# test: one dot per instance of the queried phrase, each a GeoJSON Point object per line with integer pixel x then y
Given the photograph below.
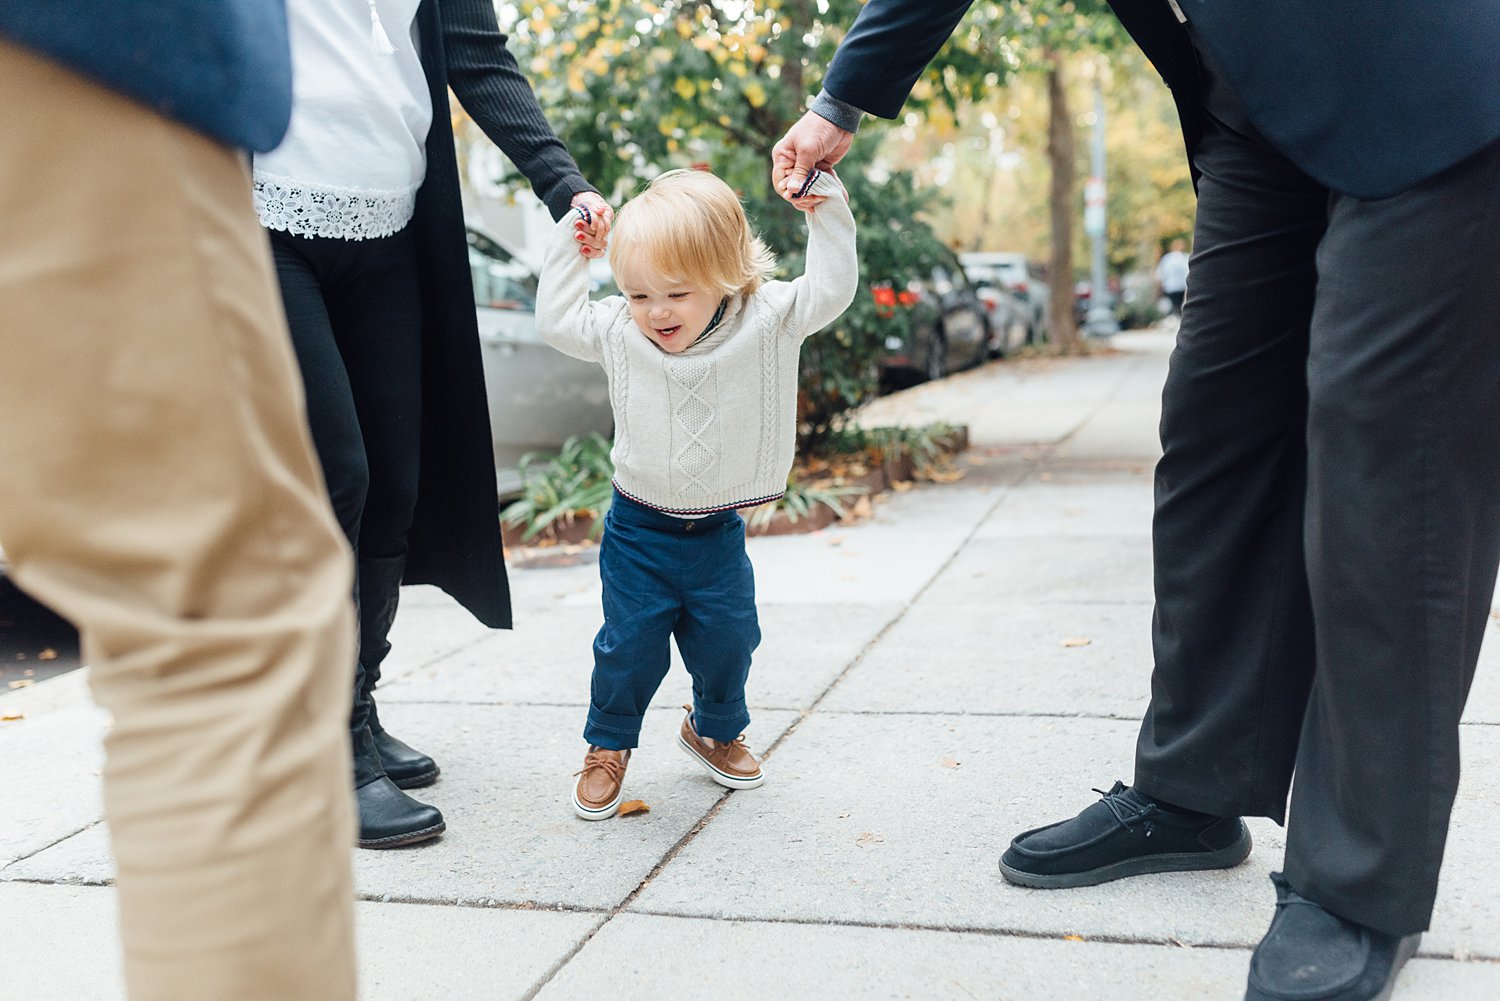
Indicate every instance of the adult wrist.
{"type": "Point", "coordinates": [840, 113]}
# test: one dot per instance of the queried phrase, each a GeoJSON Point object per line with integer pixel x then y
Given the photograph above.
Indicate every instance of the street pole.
{"type": "Point", "coordinates": [1101, 315]}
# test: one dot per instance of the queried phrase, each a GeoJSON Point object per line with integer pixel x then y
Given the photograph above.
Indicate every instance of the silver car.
{"type": "Point", "coordinates": [538, 396]}
{"type": "Point", "coordinates": [1019, 276]}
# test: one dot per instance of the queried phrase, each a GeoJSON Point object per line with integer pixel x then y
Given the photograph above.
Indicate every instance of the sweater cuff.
{"type": "Point", "coordinates": [845, 116]}
{"type": "Point", "coordinates": [560, 197]}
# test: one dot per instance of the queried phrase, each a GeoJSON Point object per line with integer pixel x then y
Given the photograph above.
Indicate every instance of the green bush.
{"type": "Point", "coordinates": [578, 481]}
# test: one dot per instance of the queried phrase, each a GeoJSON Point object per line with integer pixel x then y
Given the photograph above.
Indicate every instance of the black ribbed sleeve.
{"type": "Point", "coordinates": [489, 84]}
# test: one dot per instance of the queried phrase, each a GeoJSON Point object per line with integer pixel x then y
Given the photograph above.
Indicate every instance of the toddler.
{"type": "Point", "coordinates": [700, 351]}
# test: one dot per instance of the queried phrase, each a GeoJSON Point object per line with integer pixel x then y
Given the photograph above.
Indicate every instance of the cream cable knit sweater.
{"type": "Point", "coordinates": [714, 427]}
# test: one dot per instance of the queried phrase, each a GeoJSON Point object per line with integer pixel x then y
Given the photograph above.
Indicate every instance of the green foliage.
{"type": "Point", "coordinates": [558, 488]}
{"type": "Point", "coordinates": [801, 500]}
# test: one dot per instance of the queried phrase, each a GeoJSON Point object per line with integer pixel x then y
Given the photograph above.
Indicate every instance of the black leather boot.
{"type": "Point", "coordinates": [388, 818]}
{"type": "Point", "coordinates": [379, 593]}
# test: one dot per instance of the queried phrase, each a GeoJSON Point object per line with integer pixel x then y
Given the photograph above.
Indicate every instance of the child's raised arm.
{"type": "Point", "coordinates": [565, 317]}
{"type": "Point", "coordinates": [831, 277]}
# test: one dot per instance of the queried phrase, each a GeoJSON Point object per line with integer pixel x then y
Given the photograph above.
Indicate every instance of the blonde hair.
{"type": "Point", "coordinates": [689, 226]}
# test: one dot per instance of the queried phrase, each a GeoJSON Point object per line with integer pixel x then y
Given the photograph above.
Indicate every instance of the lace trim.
{"type": "Point", "coordinates": [339, 213]}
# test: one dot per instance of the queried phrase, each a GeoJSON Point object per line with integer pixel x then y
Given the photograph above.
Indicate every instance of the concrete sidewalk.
{"type": "Point", "coordinates": [918, 706]}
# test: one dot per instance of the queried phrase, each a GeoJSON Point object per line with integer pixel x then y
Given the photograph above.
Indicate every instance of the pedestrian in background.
{"type": "Point", "coordinates": [362, 205]}
{"type": "Point", "coordinates": [1327, 521]}
{"type": "Point", "coordinates": [161, 491]}
{"type": "Point", "coordinates": [1172, 275]}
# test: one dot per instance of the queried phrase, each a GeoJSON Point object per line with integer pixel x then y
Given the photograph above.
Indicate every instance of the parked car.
{"type": "Point", "coordinates": [538, 396]}
{"type": "Point", "coordinates": [948, 330]}
{"type": "Point", "coordinates": [1019, 275]}
{"type": "Point", "coordinates": [1007, 319]}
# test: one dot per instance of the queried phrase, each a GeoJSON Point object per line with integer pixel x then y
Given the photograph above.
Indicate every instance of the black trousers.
{"type": "Point", "coordinates": [355, 312]}
{"type": "Point", "coordinates": [1327, 520]}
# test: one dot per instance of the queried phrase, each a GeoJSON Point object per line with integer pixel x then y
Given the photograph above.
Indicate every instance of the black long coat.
{"type": "Point", "coordinates": [455, 535]}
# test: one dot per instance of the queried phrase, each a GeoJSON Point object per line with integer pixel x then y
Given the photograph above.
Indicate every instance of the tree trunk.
{"type": "Point", "coordinates": [1060, 154]}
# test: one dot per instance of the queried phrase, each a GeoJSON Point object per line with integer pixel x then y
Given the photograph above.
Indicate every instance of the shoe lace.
{"type": "Point", "coordinates": [1128, 813]}
{"type": "Point", "coordinates": [613, 767]}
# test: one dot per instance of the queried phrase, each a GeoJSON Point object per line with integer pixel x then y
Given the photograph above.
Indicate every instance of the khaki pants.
{"type": "Point", "coordinates": [158, 487]}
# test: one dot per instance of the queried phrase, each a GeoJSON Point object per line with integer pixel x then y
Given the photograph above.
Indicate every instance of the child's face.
{"type": "Point", "coordinates": [671, 314]}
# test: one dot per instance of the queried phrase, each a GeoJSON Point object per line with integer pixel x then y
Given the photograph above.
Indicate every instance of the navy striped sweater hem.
{"type": "Point", "coordinates": [734, 506]}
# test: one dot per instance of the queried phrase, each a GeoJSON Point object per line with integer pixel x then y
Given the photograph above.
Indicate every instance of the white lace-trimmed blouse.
{"type": "Point", "coordinates": [355, 153]}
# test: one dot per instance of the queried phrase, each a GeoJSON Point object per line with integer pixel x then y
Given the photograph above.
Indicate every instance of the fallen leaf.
{"type": "Point", "coordinates": [902, 486]}
{"type": "Point", "coordinates": [844, 815]}
{"type": "Point", "coordinates": [862, 508]}
{"type": "Point", "coordinates": [23, 683]}
{"type": "Point", "coordinates": [949, 763]}
{"type": "Point", "coordinates": [11, 717]}
{"type": "Point", "coordinates": [1072, 938]}
{"type": "Point", "coordinates": [47, 654]}
{"type": "Point", "coordinates": [869, 838]}
{"type": "Point", "coordinates": [633, 806]}
{"type": "Point", "coordinates": [945, 475]}
{"type": "Point", "coordinates": [835, 540]}
{"type": "Point", "coordinates": [1076, 641]}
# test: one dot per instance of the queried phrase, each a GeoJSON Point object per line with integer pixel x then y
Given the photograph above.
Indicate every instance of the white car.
{"type": "Point", "coordinates": [1019, 276]}
{"type": "Point", "coordinates": [538, 396]}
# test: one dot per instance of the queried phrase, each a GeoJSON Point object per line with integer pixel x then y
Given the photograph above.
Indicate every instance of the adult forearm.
{"type": "Point", "coordinates": [492, 89]}
{"type": "Point", "coordinates": [888, 48]}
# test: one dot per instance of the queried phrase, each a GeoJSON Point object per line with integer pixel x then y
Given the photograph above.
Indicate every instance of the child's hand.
{"type": "Point", "coordinates": [591, 227]}
{"type": "Point", "coordinates": [809, 203]}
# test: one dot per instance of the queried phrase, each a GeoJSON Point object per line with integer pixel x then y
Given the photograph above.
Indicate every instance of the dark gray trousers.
{"type": "Point", "coordinates": [1328, 514]}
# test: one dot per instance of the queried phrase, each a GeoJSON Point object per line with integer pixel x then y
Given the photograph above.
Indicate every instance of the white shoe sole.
{"type": "Point", "coordinates": [724, 779]}
{"type": "Point", "coordinates": [603, 813]}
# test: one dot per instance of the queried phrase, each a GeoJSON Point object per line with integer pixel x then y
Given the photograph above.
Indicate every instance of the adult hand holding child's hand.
{"type": "Point", "coordinates": [813, 143]}
{"type": "Point", "coordinates": [592, 235]}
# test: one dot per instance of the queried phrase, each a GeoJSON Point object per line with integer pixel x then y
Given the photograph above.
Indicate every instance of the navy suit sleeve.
{"type": "Point", "coordinates": [484, 75]}
{"type": "Point", "coordinates": [885, 52]}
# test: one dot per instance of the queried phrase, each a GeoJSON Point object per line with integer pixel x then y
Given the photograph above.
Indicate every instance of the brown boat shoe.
{"type": "Point", "coordinates": [601, 781]}
{"type": "Point", "coordinates": [731, 765]}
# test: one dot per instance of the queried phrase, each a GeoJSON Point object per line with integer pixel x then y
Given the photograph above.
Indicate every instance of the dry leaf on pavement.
{"type": "Point", "coordinates": [12, 717]}
{"type": "Point", "coordinates": [22, 683]}
{"type": "Point", "coordinates": [633, 806]}
{"type": "Point", "coordinates": [1076, 641]}
{"type": "Point", "coordinates": [902, 486]}
{"type": "Point", "coordinates": [1072, 938]}
{"type": "Point", "coordinates": [47, 654]}
{"type": "Point", "coordinates": [949, 763]}
{"type": "Point", "coordinates": [869, 838]}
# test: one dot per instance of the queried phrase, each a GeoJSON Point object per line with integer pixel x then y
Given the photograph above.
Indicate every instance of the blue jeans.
{"type": "Point", "coordinates": [666, 576]}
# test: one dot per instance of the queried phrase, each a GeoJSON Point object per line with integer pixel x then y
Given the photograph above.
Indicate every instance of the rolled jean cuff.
{"type": "Point", "coordinates": [615, 733]}
{"type": "Point", "coordinates": [720, 721]}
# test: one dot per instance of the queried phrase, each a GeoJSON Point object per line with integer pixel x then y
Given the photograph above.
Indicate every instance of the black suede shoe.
{"type": "Point", "coordinates": [406, 767]}
{"type": "Point", "coordinates": [1124, 834]}
{"type": "Point", "coordinates": [388, 818]}
{"type": "Point", "coordinates": [1311, 955]}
